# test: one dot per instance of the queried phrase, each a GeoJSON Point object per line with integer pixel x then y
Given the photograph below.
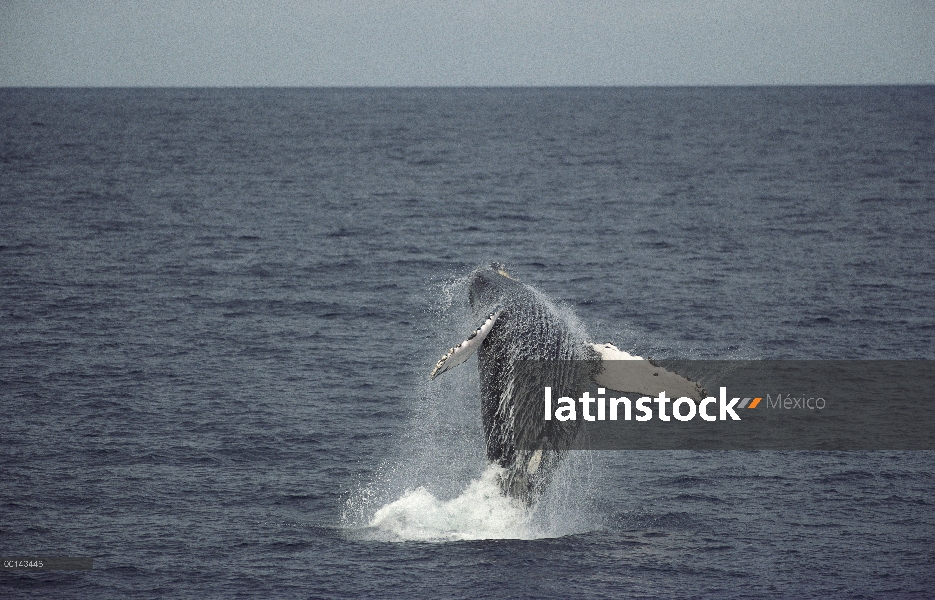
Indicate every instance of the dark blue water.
{"type": "Point", "coordinates": [218, 310]}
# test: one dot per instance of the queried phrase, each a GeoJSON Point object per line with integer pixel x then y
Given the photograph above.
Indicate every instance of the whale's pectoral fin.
{"type": "Point", "coordinates": [625, 372]}
{"type": "Point", "coordinates": [465, 349]}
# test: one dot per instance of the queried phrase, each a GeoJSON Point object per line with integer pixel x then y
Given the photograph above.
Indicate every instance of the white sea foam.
{"type": "Point", "coordinates": [480, 512]}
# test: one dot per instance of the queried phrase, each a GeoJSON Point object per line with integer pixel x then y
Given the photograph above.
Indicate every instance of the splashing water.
{"type": "Point", "coordinates": [480, 513]}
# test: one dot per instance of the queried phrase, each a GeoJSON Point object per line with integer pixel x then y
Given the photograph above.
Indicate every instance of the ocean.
{"type": "Point", "coordinates": [219, 309]}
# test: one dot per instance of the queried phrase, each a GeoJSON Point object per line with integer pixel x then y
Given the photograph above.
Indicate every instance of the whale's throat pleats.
{"type": "Point", "coordinates": [531, 347]}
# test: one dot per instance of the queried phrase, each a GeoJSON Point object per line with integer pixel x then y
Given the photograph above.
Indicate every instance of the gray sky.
{"type": "Point", "coordinates": [466, 42]}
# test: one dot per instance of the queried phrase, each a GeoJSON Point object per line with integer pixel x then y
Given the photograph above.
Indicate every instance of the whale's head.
{"type": "Point", "coordinates": [490, 286]}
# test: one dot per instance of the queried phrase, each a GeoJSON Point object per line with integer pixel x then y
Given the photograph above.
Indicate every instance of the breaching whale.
{"type": "Point", "coordinates": [518, 327]}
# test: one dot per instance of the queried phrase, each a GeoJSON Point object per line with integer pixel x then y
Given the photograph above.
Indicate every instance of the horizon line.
{"type": "Point", "coordinates": [466, 86]}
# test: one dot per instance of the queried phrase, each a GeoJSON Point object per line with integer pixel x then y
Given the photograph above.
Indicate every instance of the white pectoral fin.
{"type": "Point", "coordinates": [465, 349]}
{"type": "Point", "coordinates": [625, 372]}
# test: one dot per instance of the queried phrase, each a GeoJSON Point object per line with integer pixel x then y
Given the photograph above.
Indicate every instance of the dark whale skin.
{"type": "Point", "coordinates": [528, 329]}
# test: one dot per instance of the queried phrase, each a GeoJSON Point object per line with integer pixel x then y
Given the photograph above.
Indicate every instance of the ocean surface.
{"type": "Point", "coordinates": [219, 309]}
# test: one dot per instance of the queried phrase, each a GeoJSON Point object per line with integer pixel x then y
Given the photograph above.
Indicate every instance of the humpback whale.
{"type": "Point", "coordinates": [519, 327]}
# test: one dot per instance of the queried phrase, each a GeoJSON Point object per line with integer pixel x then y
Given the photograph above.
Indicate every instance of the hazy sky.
{"type": "Point", "coordinates": [465, 42]}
